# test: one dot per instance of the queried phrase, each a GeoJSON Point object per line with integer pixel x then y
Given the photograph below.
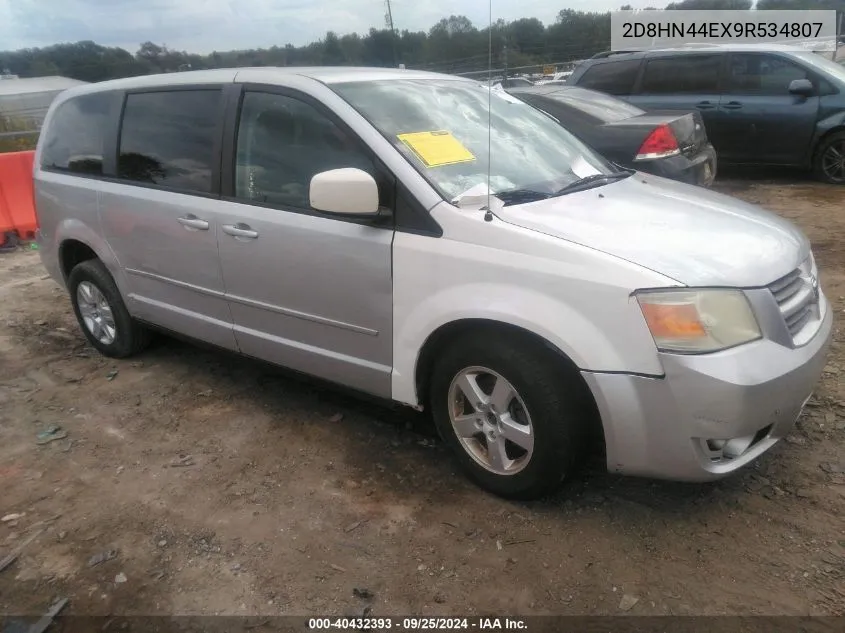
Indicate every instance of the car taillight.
{"type": "Point", "coordinates": [659, 144]}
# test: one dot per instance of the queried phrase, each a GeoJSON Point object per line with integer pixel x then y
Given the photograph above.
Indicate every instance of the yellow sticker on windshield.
{"type": "Point", "coordinates": [436, 149]}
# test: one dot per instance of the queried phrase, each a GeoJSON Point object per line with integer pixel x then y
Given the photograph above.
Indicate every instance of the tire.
{"type": "Point", "coordinates": [553, 400]}
{"type": "Point", "coordinates": [825, 161]}
{"type": "Point", "coordinates": [127, 336]}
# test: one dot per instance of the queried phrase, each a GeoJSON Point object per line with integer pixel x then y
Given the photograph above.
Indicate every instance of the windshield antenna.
{"type": "Point", "coordinates": [488, 215]}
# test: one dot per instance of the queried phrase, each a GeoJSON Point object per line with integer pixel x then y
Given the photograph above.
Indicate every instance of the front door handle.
{"type": "Point", "coordinates": [732, 105]}
{"type": "Point", "coordinates": [191, 221]}
{"type": "Point", "coordinates": [240, 230]}
{"type": "Point", "coordinates": [705, 105]}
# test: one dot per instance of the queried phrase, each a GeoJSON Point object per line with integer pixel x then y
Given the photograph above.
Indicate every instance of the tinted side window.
{"type": "Point", "coordinates": [762, 74]}
{"type": "Point", "coordinates": [282, 143]}
{"type": "Point", "coordinates": [682, 75]}
{"type": "Point", "coordinates": [615, 78]}
{"type": "Point", "coordinates": [74, 139]}
{"type": "Point", "coordinates": [167, 138]}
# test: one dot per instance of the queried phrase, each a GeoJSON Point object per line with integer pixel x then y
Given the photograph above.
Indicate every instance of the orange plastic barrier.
{"type": "Point", "coordinates": [17, 203]}
{"type": "Point", "coordinates": [8, 237]}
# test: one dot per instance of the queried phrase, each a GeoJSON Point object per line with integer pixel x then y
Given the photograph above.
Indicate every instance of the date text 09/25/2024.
{"type": "Point", "coordinates": [416, 624]}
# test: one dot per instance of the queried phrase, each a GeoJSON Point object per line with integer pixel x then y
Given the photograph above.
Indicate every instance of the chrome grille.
{"type": "Point", "coordinates": [797, 296]}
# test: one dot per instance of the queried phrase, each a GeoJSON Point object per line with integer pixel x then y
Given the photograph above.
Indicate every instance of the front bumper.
{"type": "Point", "coordinates": [710, 414]}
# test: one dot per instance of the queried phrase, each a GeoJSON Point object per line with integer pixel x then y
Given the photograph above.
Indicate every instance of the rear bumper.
{"type": "Point", "coordinates": [710, 414]}
{"type": "Point", "coordinates": [699, 169]}
{"type": "Point", "coordinates": [49, 257]}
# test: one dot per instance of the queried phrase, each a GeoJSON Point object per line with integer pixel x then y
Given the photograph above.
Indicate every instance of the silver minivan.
{"type": "Point", "coordinates": [424, 239]}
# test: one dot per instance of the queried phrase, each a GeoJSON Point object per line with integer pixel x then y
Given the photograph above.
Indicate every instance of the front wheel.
{"type": "Point", "coordinates": [830, 159]}
{"type": "Point", "coordinates": [510, 415]}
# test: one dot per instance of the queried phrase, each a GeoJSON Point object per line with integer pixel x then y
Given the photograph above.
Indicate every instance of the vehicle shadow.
{"type": "Point", "coordinates": [404, 441]}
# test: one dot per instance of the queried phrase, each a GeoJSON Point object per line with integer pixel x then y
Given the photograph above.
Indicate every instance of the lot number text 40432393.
{"type": "Point", "coordinates": [417, 624]}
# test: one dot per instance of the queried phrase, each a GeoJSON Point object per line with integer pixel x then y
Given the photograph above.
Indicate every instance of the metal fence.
{"type": "Point", "coordinates": [20, 133]}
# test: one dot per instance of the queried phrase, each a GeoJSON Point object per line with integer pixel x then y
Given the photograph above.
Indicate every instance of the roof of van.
{"type": "Point", "coordinates": [324, 74]}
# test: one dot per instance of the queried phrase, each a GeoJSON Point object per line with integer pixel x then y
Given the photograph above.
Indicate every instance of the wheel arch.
{"type": "Point", "coordinates": [819, 146]}
{"type": "Point", "coordinates": [76, 241]}
{"type": "Point", "coordinates": [454, 330]}
{"type": "Point", "coordinates": [73, 252]}
{"type": "Point", "coordinates": [825, 130]}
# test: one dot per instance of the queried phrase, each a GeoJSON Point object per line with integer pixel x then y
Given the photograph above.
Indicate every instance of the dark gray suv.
{"type": "Point", "coordinates": [773, 105]}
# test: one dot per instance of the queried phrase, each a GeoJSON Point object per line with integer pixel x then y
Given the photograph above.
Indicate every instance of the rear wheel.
{"type": "Point", "coordinates": [101, 313]}
{"type": "Point", "coordinates": [510, 415]}
{"type": "Point", "coordinates": [830, 159]}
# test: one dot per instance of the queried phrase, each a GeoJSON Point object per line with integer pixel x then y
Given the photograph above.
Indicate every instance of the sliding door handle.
{"type": "Point", "coordinates": [191, 221]}
{"type": "Point", "coordinates": [240, 230]}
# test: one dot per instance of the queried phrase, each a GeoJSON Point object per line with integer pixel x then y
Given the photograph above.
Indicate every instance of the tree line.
{"type": "Point", "coordinates": [452, 45]}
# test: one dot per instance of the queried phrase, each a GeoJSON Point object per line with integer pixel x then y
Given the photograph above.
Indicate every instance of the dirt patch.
{"type": "Point", "coordinates": [222, 486]}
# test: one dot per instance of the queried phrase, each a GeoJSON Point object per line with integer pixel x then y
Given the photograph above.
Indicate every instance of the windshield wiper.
{"type": "Point", "coordinates": [595, 180]}
{"type": "Point", "coordinates": [519, 196]}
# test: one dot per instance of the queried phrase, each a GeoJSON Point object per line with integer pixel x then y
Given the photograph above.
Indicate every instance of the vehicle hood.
{"type": "Point", "coordinates": [694, 235]}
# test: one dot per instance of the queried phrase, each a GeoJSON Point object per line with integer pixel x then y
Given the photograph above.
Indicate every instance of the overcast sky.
{"type": "Point", "coordinates": [202, 26]}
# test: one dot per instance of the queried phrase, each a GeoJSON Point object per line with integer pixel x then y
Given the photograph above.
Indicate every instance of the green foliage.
{"type": "Point", "coordinates": [838, 5]}
{"type": "Point", "coordinates": [711, 5]}
{"type": "Point", "coordinates": [86, 61]}
{"type": "Point", "coordinates": [454, 44]}
{"type": "Point", "coordinates": [15, 143]}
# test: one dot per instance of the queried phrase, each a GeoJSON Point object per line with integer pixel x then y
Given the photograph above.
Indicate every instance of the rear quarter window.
{"type": "Point", "coordinates": [612, 77]}
{"type": "Point", "coordinates": [75, 137]}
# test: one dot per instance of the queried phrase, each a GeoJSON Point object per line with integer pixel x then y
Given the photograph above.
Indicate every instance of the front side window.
{"type": "Point", "coordinates": [74, 140]}
{"type": "Point", "coordinates": [613, 78]}
{"type": "Point", "coordinates": [450, 129]}
{"type": "Point", "coordinates": [757, 74]}
{"type": "Point", "coordinates": [282, 143]}
{"type": "Point", "coordinates": [167, 138]}
{"type": "Point", "coordinates": [684, 74]}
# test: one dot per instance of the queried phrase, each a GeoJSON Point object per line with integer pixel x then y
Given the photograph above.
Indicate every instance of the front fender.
{"type": "Point", "coordinates": [576, 298]}
{"type": "Point", "coordinates": [579, 336]}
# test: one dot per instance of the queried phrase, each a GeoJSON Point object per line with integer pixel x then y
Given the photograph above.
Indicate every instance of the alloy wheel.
{"type": "Point", "coordinates": [96, 312]}
{"type": "Point", "coordinates": [491, 420]}
{"type": "Point", "coordinates": [833, 162]}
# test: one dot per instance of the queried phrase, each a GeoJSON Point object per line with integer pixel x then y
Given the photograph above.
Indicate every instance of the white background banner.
{"type": "Point", "coordinates": [647, 29]}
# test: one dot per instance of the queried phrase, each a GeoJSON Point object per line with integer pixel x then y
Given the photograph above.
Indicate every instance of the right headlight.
{"type": "Point", "coordinates": [698, 321]}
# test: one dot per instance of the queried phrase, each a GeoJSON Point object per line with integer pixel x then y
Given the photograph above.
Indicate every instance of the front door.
{"type": "Point", "coordinates": [161, 215]}
{"type": "Point", "coordinates": [307, 290]}
{"type": "Point", "coordinates": [763, 122]}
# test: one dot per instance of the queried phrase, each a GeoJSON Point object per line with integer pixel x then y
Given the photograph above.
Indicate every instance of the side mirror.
{"type": "Point", "coordinates": [803, 87]}
{"type": "Point", "coordinates": [347, 191]}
